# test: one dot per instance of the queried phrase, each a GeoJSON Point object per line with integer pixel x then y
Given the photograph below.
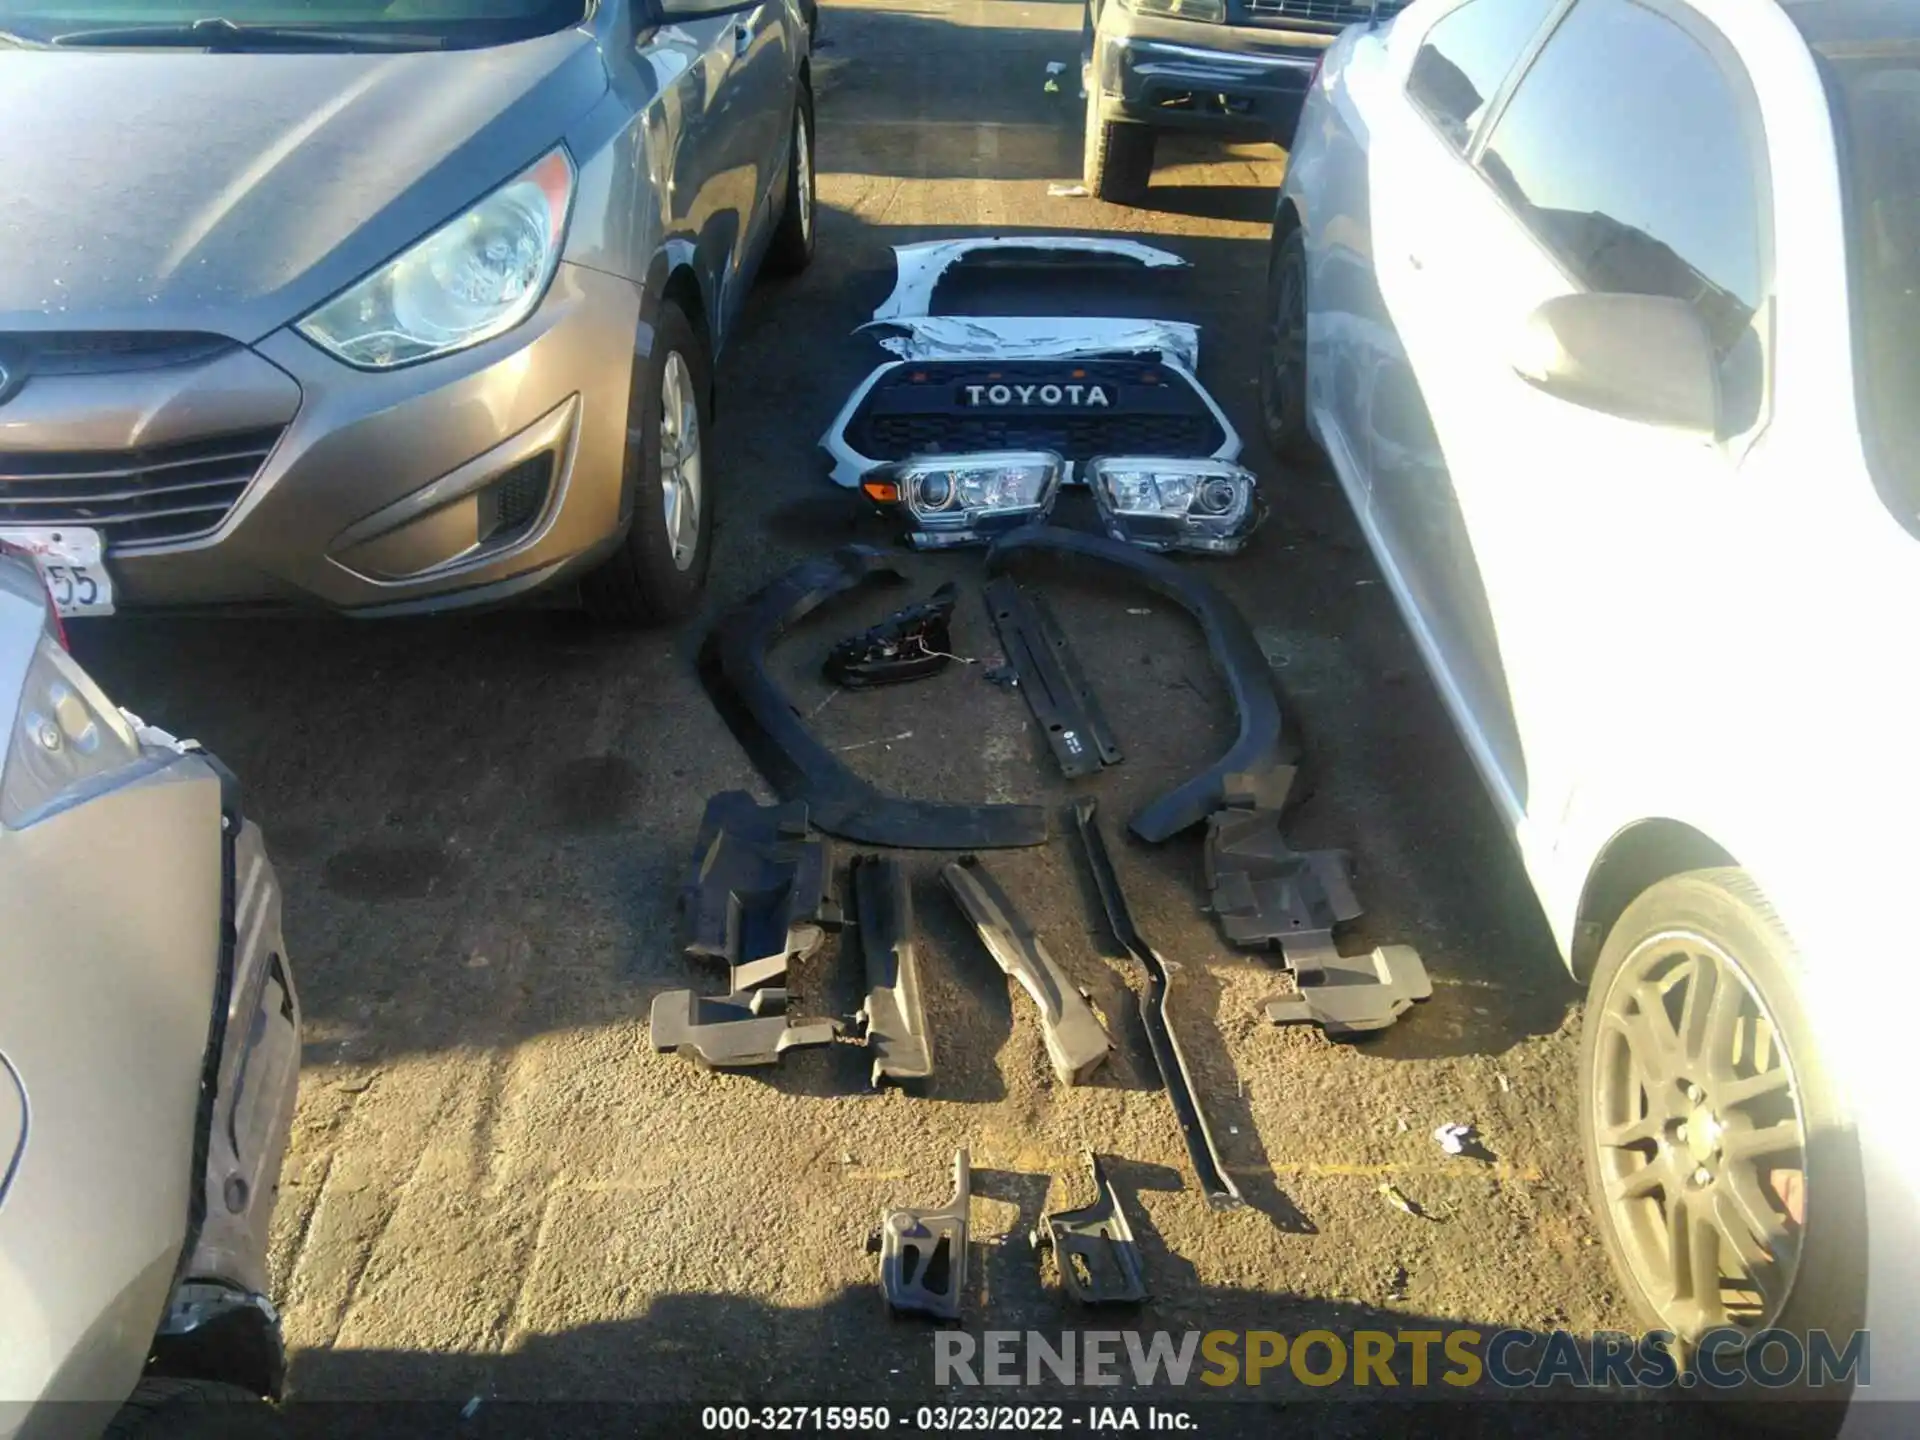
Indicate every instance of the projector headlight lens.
{"type": "Point", "coordinates": [964, 499]}
{"type": "Point", "coordinates": [1159, 503]}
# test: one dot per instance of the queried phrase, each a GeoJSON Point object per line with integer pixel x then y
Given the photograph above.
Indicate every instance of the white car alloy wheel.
{"type": "Point", "coordinates": [680, 464]}
{"type": "Point", "coordinates": [1702, 1144]}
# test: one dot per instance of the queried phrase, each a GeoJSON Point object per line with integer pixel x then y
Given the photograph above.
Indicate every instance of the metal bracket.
{"type": "Point", "coordinates": [727, 1031]}
{"type": "Point", "coordinates": [1077, 1043]}
{"type": "Point", "coordinates": [1215, 1183]}
{"type": "Point", "coordinates": [1055, 686]}
{"type": "Point", "coordinates": [1355, 994]}
{"type": "Point", "coordinates": [1094, 1247]}
{"type": "Point", "coordinates": [923, 1253]}
{"type": "Point", "coordinates": [895, 1018]}
{"type": "Point", "coordinates": [1258, 768]}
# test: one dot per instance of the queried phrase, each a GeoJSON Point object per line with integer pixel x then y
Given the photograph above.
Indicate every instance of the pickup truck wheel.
{"type": "Point", "coordinates": [1725, 1179]}
{"type": "Point", "coordinates": [660, 569]}
{"type": "Point", "coordinates": [1118, 159]}
{"type": "Point", "coordinates": [792, 247]}
{"type": "Point", "coordinates": [1283, 357]}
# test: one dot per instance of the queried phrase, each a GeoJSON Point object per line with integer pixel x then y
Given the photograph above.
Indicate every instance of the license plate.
{"type": "Point", "coordinates": [1066, 395]}
{"type": "Point", "coordinates": [71, 560]}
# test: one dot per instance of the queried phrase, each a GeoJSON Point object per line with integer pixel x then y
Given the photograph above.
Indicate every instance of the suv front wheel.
{"type": "Point", "coordinates": [660, 569]}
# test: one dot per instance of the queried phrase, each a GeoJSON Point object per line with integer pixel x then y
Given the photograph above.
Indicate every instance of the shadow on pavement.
{"type": "Point", "coordinates": [650, 1375]}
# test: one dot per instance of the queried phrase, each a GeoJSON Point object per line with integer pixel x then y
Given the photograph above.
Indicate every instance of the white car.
{"type": "Point", "coordinates": [1607, 314]}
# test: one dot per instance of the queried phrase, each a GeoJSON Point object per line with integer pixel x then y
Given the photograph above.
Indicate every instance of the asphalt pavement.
{"type": "Point", "coordinates": [498, 1191]}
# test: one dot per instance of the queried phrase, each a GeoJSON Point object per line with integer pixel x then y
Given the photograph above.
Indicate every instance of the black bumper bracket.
{"type": "Point", "coordinates": [1258, 769]}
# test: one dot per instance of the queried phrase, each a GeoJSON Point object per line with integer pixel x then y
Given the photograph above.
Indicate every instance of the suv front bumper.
{"type": "Point", "coordinates": [1230, 80]}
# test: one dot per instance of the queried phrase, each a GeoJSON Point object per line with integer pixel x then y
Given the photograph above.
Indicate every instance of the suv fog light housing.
{"type": "Point", "coordinates": [966, 499]}
{"type": "Point", "coordinates": [1169, 504]}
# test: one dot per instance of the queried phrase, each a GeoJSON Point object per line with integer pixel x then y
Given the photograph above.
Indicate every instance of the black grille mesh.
{"type": "Point", "coordinates": [157, 495]}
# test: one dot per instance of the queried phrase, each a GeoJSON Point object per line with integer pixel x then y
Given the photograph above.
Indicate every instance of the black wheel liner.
{"type": "Point", "coordinates": [734, 670]}
{"type": "Point", "coordinates": [1258, 769]}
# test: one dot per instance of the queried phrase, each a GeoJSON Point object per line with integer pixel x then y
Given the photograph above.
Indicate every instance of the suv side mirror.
{"type": "Point", "coordinates": [1639, 357]}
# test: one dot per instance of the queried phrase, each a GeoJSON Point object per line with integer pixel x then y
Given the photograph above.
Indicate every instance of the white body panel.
{"type": "Point", "coordinates": [1693, 631]}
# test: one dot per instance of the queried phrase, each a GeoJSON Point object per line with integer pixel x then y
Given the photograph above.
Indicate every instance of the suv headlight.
{"type": "Point", "coordinates": [475, 277]}
{"type": "Point", "coordinates": [66, 737]}
{"type": "Point", "coordinates": [1213, 12]}
{"type": "Point", "coordinates": [1167, 504]}
{"type": "Point", "coordinates": [961, 499]}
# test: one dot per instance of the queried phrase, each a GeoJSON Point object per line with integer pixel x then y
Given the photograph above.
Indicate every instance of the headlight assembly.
{"type": "Point", "coordinates": [1213, 12]}
{"type": "Point", "coordinates": [475, 277]}
{"type": "Point", "coordinates": [1169, 504]}
{"type": "Point", "coordinates": [962, 499]}
{"type": "Point", "coordinates": [67, 737]}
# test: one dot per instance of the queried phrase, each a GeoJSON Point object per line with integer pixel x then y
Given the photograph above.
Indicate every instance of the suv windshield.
{"type": "Point", "coordinates": [285, 24]}
{"type": "Point", "coordinates": [1876, 100]}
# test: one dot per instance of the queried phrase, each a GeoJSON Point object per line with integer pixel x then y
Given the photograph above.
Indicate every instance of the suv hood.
{"type": "Point", "coordinates": [231, 193]}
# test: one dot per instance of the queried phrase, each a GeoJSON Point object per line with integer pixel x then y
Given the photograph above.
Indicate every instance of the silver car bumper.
{"type": "Point", "coordinates": [156, 1033]}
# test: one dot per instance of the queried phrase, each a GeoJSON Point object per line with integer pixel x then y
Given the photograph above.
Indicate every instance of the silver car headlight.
{"type": "Point", "coordinates": [1169, 504]}
{"type": "Point", "coordinates": [67, 736]}
{"type": "Point", "coordinates": [475, 277]}
{"type": "Point", "coordinates": [962, 499]}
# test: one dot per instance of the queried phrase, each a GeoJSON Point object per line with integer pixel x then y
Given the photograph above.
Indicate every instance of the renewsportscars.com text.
{"type": "Point", "coordinates": [1411, 1359]}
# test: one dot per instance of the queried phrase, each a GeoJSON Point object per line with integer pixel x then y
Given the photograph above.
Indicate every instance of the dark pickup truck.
{"type": "Point", "coordinates": [1234, 68]}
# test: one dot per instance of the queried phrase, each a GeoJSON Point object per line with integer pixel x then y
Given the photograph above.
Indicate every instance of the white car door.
{"type": "Point", "coordinates": [1427, 122]}
{"type": "Point", "coordinates": [1627, 159]}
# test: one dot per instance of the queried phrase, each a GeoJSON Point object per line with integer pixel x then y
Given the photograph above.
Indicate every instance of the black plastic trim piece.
{"type": "Point", "coordinates": [1051, 679]}
{"type": "Point", "coordinates": [1258, 769]}
{"type": "Point", "coordinates": [728, 1031]}
{"type": "Point", "coordinates": [1266, 892]}
{"type": "Point", "coordinates": [1077, 1043]}
{"type": "Point", "coordinates": [759, 891]}
{"type": "Point", "coordinates": [1215, 1183]}
{"type": "Point", "coordinates": [227, 942]}
{"type": "Point", "coordinates": [733, 668]}
{"type": "Point", "coordinates": [895, 1016]}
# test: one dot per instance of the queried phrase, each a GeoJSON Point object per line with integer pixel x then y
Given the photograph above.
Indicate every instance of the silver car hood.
{"type": "Point", "coordinates": [231, 193]}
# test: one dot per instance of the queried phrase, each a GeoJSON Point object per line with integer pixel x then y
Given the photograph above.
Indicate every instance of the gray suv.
{"type": "Point", "coordinates": [398, 305]}
{"type": "Point", "coordinates": [1238, 69]}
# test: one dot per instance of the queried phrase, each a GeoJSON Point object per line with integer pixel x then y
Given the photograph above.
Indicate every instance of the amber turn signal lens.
{"type": "Point", "coordinates": [884, 491]}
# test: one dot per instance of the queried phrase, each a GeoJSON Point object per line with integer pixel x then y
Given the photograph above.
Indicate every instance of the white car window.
{"type": "Point", "coordinates": [1625, 151]}
{"type": "Point", "coordinates": [1464, 58]}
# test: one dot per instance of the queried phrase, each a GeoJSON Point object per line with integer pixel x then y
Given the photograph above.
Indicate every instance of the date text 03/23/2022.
{"type": "Point", "coordinates": [959, 1419]}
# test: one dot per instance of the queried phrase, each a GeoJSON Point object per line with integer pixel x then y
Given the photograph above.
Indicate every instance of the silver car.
{"type": "Point", "coordinates": [393, 305]}
{"type": "Point", "coordinates": [149, 1053]}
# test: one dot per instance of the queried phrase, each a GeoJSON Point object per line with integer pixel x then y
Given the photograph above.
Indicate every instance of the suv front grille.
{"type": "Point", "coordinates": [1320, 12]}
{"type": "Point", "coordinates": [918, 409]}
{"type": "Point", "coordinates": [107, 352]}
{"type": "Point", "coordinates": [155, 496]}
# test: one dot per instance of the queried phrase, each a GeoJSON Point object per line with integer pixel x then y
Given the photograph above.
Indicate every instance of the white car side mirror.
{"type": "Point", "coordinates": [1647, 358]}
